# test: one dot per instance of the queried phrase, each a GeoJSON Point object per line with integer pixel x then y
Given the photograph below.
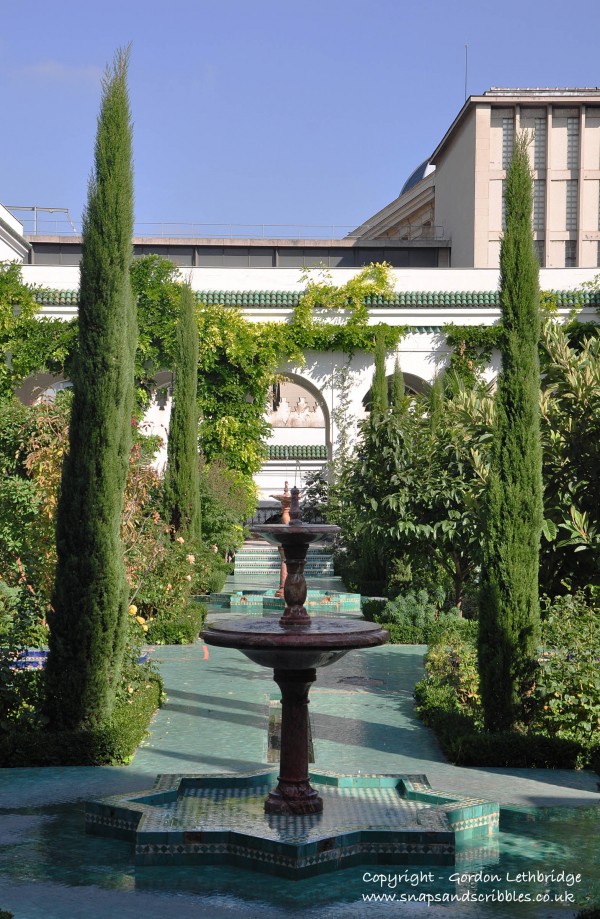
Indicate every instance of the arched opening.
{"type": "Point", "coordinates": [413, 386]}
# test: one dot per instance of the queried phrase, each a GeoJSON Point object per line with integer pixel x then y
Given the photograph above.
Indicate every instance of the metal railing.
{"type": "Point", "coordinates": [57, 221]}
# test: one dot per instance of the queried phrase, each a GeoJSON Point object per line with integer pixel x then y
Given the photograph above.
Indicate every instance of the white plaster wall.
{"type": "Point", "coordinates": [274, 474]}
{"type": "Point", "coordinates": [66, 277]}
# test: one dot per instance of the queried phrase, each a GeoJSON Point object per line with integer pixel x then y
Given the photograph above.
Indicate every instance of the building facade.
{"type": "Point", "coordinates": [461, 195]}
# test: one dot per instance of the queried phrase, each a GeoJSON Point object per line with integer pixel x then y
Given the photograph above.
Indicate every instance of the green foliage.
{"type": "Point", "coordinates": [31, 448]}
{"type": "Point", "coordinates": [236, 366]}
{"type": "Point", "coordinates": [420, 473]}
{"type": "Point", "coordinates": [379, 387]}
{"type": "Point", "coordinates": [415, 618]}
{"type": "Point", "coordinates": [399, 401]}
{"type": "Point", "coordinates": [89, 615]}
{"type": "Point", "coordinates": [509, 609]}
{"type": "Point", "coordinates": [181, 488]}
{"type": "Point", "coordinates": [567, 694]}
{"type": "Point", "coordinates": [570, 408]}
{"type": "Point", "coordinates": [177, 570]}
{"type": "Point", "coordinates": [562, 710]}
{"type": "Point", "coordinates": [18, 306]}
{"type": "Point", "coordinates": [110, 743]}
{"type": "Point", "coordinates": [157, 288]}
{"type": "Point", "coordinates": [180, 628]}
{"type": "Point", "coordinates": [227, 498]}
{"type": "Point", "coordinates": [310, 329]}
{"type": "Point", "coordinates": [472, 347]}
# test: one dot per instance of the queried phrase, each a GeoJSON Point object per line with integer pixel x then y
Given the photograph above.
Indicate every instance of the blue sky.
{"type": "Point", "coordinates": [255, 111]}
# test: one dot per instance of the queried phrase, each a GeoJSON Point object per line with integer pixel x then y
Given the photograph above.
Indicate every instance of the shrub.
{"type": "Point", "coordinates": [560, 731]}
{"type": "Point", "coordinates": [162, 604]}
{"type": "Point", "coordinates": [566, 699]}
{"type": "Point", "coordinates": [181, 628]}
{"type": "Point", "coordinates": [371, 607]}
{"type": "Point", "coordinates": [111, 743]}
{"type": "Point", "coordinates": [418, 617]}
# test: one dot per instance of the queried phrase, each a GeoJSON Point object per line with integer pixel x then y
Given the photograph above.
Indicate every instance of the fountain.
{"type": "Point", "coordinates": [297, 830]}
{"type": "Point", "coordinates": [294, 646]}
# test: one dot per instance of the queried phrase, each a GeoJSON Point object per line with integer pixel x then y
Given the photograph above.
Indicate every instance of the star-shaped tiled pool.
{"type": "Point", "coordinates": [366, 819]}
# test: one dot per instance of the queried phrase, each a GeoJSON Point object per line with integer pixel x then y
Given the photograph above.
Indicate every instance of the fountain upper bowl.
{"type": "Point", "coordinates": [288, 534]}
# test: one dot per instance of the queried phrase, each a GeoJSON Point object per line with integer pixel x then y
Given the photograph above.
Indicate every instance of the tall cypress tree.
{"type": "Point", "coordinates": [398, 401]}
{"type": "Point", "coordinates": [509, 607]}
{"type": "Point", "coordinates": [182, 483]}
{"type": "Point", "coordinates": [88, 622]}
{"type": "Point", "coordinates": [379, 388]}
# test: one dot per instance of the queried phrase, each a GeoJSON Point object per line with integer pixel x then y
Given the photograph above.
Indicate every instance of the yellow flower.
{"type": "Point", "coordinates": [191, 559]}
{"type": "Point", "coordinates": [188, 577]}
{"type": "Point", "coordinates": [140, 619]}
{"type": "Point", "coordinates": [132, 609]}
{"type": "Point", "coordinates": [180, 540]}
{"type": "Point", "coordinates": [145, 628]}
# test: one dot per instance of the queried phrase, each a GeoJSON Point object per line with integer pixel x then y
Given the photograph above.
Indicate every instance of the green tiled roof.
{"type": "Point", "coordinates": [270, 299]}
{"type": "Point", "coordinates": [296, 451]}
{"type": "Point", "coordinates": [57, 297]}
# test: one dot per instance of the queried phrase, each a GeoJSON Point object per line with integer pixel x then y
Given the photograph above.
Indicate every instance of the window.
{"type": "Point", "coordinates": [539, 144]}
{"type": "Point", "coordinates": [539, 204]}
{"type": "Point", "coordinates": [572, 143]}
{"type": "Point", "coordinates": [508, 141]}
{"type": "Point", "coordinates": [570, 253]}
{"type": "Point", "coordinates": [540, 251]}
{"type": "Point", "coordinates": [571, 215]}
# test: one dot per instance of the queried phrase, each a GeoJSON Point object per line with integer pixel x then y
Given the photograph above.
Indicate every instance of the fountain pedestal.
{"type": "Point", "coordinates": [294, 793]}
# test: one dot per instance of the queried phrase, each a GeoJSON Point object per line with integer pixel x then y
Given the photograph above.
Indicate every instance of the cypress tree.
{"type": "Point", "coordinates": [182, 483]}
{"type": "Point", "coordinates": [88, 621]}
{"type": "Point", "coordinates": [398, 392]}
{"type": "Point", "coordinates": [509, 606]}
{"type": "Point", "coordinates": [379, 388]}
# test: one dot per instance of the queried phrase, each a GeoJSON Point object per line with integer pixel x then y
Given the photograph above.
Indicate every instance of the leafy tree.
{"type": "Point", "coordinates": [182, 498]}
{"type": "Point", "coordinates": [420, 475]}
{"type": "Point", "coordinates": [157, 287]}
{"type": "Point", "coordinates": [570, 407]}
{"type": "Point", "coordinates": [509, 607]}
{"type": "Point", "coordinates": [88, 621]}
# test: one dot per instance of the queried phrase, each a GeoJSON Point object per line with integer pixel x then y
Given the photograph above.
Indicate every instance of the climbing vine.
{"type": "Point", "coordinates": [472, 347]}
{"type": "Point", "coordinates": [311, 325]}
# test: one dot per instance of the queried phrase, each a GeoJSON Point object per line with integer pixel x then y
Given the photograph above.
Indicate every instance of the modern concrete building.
{"type": "Point", "coordinates": [457, 194]}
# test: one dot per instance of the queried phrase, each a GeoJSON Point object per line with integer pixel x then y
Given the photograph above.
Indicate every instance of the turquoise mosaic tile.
{"type": "Point", "coordinates": [217, 819]}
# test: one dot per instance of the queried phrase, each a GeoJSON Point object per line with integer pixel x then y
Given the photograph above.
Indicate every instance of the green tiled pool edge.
{"type": "Point", "coordinates": [368, 819]}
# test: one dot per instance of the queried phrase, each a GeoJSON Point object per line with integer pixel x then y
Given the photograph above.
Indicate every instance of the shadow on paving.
{"type": "Point", "coordinates": [224, 702]}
